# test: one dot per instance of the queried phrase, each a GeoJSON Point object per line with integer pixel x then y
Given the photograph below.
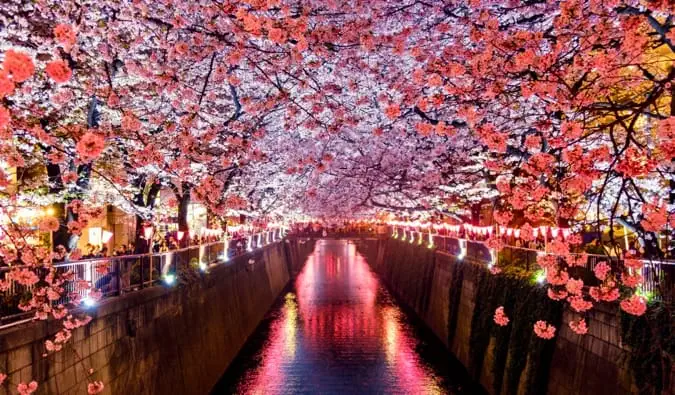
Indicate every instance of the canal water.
{"type": "Point", "coordinates": [337, 330]}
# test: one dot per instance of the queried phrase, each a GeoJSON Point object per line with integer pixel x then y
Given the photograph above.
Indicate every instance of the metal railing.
{"type": "Point", "coordinates": [658, 276]}
{"type": "Point", "coordinates": [117, 275]}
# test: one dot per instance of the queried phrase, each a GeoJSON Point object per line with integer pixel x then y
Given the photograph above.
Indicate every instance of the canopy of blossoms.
{"type": "Point", "coordinates": [550, 111]}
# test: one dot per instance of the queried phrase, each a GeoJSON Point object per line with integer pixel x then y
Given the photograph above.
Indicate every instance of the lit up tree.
{"type": "Point", "coordinates": [558, 112]}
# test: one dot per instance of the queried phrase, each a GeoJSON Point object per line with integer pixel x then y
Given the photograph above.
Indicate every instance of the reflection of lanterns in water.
{"type": "Point", "coordinates": [290, 325]}
{"type": "Point", "coordinates": [390, 333]}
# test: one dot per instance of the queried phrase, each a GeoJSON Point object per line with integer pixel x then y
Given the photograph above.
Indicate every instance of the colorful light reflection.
{"type": "Point", "coordinates": [339, 332]}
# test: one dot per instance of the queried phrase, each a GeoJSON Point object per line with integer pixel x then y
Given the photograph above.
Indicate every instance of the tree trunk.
{"type": "Point", "coordinates": [183, 205]}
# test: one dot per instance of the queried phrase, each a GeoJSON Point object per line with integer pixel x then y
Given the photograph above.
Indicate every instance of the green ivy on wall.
{"type": "Point", "coordinates": [525, 303]}
{"type": "Point", "coordinates": [456, 282]}
{"type": "Point", "coordinates": [652, 347]}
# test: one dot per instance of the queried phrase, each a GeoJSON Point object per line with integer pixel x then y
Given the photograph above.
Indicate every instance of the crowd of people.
{"type": "Point", "coordinates": [161, 243]}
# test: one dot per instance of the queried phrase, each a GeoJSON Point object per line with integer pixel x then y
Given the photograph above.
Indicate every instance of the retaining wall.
{"type": "Point", "coordinates": [444, 297]}
{"type": "Point", "coordinates": [159, 340]}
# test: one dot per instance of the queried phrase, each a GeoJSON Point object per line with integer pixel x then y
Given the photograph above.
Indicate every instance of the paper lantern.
{"type": "Point", "coordinates": [95, 236]}
{"type": "Point", "coordinates": [147, 232]}
{"type": "Point", "coordinates": [106, 236]}
{"type": "Point", "coordinates": [180, 235]}
{"type": "Point", "coordinates": [566, 232]}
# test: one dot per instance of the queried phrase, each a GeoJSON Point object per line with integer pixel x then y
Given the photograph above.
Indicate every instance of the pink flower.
{"type": "Point", "coordinates": [579, 304]}
{"type": "Point", "coordinates": [544, 330]}
{"type": "Point", "coordinates": [393, 111]}
{"type": "Point", "coordinates": [635, 264]}
{"type": "Point", "coordinates": [574, 286]}
{"type": "Point", "coordinates": [601, 270]}
{"type": "Point", "coordinates": [65, 35]}
{"type": "Point", "coordinates": [59, 71]}
{"type": "Point", "coordinates": [635, 305]}
{"type": "Point", "coordinates": [579, 327]}
{"type": "Point", "coordinates": [500, 318]}
{"type": "Point", "coordinates": [48, 224]}
{"type": "Point", "coordinates": [5, 117]}
{"type": "Point", "coordinates": [495, 269]}
{"type": "Point", "coordinates": [6, 84]}
{"type": "Point", "coordinates": [95, 387]}
{"type": "Point", "coordinates": [52, 347]}
{"type": "Point", "coordinates": [604, 293]}
{"type": "Point", "coordinates": [557, 295]}
{"type": "Point", "coordinates": [90, 146]}
{"type": "Point", "coordinates": [3, 377]}
{"type": "Point", "coordinates": [631, 280]}
{"type": "Point", "coordinates": [19, 64]}
{"type": "Point", "coordinates": [556, 277]}
{"type": "Point", "coordinates": [27, 389]}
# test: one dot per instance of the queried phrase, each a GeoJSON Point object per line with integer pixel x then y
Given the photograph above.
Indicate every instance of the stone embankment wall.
{"type": "Point", "coordinates": [160, 340]}
{"type": "Point", "coordinates": [444, 292]}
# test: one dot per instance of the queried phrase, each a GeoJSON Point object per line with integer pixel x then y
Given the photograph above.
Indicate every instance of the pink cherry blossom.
{"type": "Point", "coordinates": [27, 389]}
{"type": "Point", "coordinates": [544, 330]}
{"type": "Point", "coordinates": [579, 327]}
{"type": "Point", "coordinates": [601, 270]}
{"type": "Point", "coordinates": [500, 318]}
{"type": "Point", "coordinates": [95, 387]}
{"type": "Point", "coordinates": [635, 305]}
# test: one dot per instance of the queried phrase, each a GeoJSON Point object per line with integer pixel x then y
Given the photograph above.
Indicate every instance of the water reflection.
{"type": "Point", "coordinates": [339, 331]}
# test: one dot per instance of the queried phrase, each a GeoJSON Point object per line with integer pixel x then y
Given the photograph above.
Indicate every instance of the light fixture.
{"type": "Point", "coordinates": [462, 249]}
{"type": "Point", "coordinates": [106, 236]}
{"type": "Point", "coordinates": [540, 277]}
{"type": "Point", "coordinates": [95, 236]}
{"type": "Point", "coordinates": [180, 234]}
{"type": "Point", "coordinates": [88, 302]}
{"type": "Point", "coordinates": [147, 232]}
{"type": "Point", "coordinates": [169, 279]}
{"type": "Point", "coordinates": [203, 267]}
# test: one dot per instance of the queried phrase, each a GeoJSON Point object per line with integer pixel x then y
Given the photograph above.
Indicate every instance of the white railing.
{"type": "Point", "coordinates": [122, 274]}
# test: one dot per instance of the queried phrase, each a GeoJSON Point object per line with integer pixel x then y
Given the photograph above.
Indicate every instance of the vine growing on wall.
{"type": "Point", "coordinates": [652, 347]}
{"type": "Point", "coordinates": [517, 350]}
{"type": "Point", "coordinates": [454, 298]}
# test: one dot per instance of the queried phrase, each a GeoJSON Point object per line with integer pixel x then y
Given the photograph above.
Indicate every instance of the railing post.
{"type": "Point", "coordinates": [142, 261]}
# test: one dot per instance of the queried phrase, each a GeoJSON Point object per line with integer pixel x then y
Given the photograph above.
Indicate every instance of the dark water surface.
{"type": "Point", "coordinates": [337, 330]}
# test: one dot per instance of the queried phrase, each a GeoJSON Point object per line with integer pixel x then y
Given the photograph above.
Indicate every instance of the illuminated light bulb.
{"type": "Point", "coordinates": [169, 279]}
{"type": "Point", "coordinates": [106, 236]}
{"type": "Point", "coordinates": [540, 277]}
{"type": "Point", "coordinates": [203, 267]}
{"type": "Point", "coordinates": [88, 302]}
{"type": "Point", "coordinates": [147, 232]}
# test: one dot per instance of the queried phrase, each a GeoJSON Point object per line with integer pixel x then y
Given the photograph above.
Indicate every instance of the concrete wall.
{"type": "Point", "coordinates": [158, 340]}
{"type": "Point", "coordinates": [423, 279]}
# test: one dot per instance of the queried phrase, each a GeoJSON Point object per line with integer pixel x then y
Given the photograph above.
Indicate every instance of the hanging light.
{"type": "Point", "coordinates": [554, 232]}
{"type": "Point", "coordinates": [147, 232]}
{"type": "Point", "coordinates": [106, 236]}
{"type": "Point", "coordinates": [566, 232]}
{"type": "Point", "coordinates": [180, 234]}
{"type": "Point", "coordinates": [516, 233]}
